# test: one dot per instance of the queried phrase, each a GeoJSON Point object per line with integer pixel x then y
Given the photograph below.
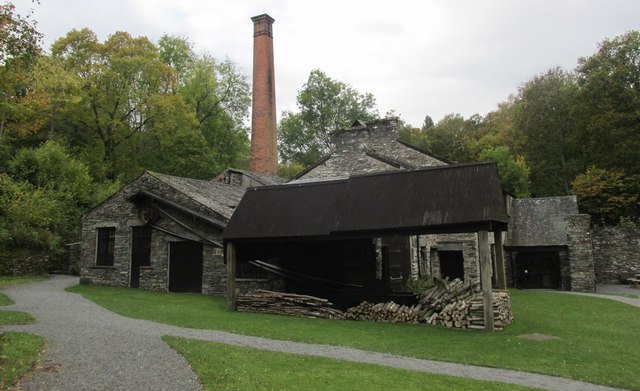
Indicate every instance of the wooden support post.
{"type": "Point", "coordinates": [501, 278]}
{"type": "Point", "coordinates": [484, 255]}
{"type": "Point", "coordinates": [231, 277]}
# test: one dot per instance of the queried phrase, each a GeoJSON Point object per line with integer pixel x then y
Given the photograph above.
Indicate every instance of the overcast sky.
{"type": "Point", "coordinates": [416, 57]}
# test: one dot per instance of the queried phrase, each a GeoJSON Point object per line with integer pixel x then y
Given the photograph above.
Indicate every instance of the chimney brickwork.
{"type": "Point", "coordinates": [264, 136]}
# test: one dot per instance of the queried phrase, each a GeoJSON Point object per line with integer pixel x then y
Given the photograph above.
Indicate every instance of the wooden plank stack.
{"type": "Point", "coordinates": [384, 312]}
{"type": "Point", "coordinates": [280, 303]}
{"type": "Point", "coordinates": [455, 304]}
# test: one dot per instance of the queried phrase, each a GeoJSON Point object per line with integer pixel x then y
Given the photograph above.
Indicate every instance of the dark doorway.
{"type": "Point", "coordinates": [185, 267]}
{"type": "Point", "coordinates": [538, 270]}
{"type": "Point", "coordinates": [451, 264]}
{"type": "Point", "coordinates": [140, 253]}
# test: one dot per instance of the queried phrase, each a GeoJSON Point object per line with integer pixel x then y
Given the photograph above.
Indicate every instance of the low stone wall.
{"type": "Point", "coordinates": [616, 253]}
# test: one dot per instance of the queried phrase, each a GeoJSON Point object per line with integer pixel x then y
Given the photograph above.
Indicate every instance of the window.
{"type": "Point", "coordinates": [141, 246]}
{"type": "Point", "coordinates": [106, 244]}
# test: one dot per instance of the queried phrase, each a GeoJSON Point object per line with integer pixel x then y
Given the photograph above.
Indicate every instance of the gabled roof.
{"type": "Point", "coordinates": [389, 160]}
{"type": "Point", "coordinates": [425, 152]}
{"type": "Point", "coordinates": [218, 197]}
{"type": "Point", "coordinates": [460, 197]}
{"type": "Point", "coordinates": [311, 167]}
{"type": "Point", "coordinates": [264, 180]}
{"type": "Point", "coordinates": [539, 222]}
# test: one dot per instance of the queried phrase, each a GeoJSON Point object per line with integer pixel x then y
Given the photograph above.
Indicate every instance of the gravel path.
{"type": "Point", "coordinates": [90, 348]}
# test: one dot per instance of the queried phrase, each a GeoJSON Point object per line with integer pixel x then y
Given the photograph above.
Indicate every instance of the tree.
{"type": "Point", "coordinates": [608, 104]}
{"type": "Point", "coordinates": [18, 36]}
{"type": "Point", "coordinates": [513, 171]}
{"type": "Point", "coordinates": [43, 195]}
{"type": "Point", "coordinates": [219, 96]}
{"type": "Point", "coordinates": [325, 105]}
{"type": "Point", "coordinates": [448, 138]}
{"type": "Point", "coordinates": [19, 49]}
{"type": "Point", "coordinates": [544, 131]}
{"type": "Point", "coordinates": [496, 130]}
{"type": "Point", "coordinates": [610, 197]}
{"type": "Point", "coordinates": [117, 79]}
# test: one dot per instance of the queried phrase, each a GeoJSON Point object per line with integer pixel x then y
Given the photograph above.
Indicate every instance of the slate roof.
{"type": "Point", "coordinates": [265, 180]}
{"type": "Point", "coordinates": [216, 196]}
{"type": "Point", "coordinates": [539, 222]}
{"type": "Point", "coordinates": [458, 196]}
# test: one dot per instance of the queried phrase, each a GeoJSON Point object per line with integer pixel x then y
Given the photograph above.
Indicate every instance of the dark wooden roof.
{"type": "Point", "coordinates": [458, 198]}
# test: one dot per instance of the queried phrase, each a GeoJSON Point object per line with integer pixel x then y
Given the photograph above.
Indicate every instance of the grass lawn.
{"type": "Point", "coordinates": [18, 351]}
{"type": "Point", "coordinates": [597, 338]}
{"type": "Point", "coordinates": [225, 367]}
{"type": "Point", "coordinates": [11, 280]}
{"type": "Point", "coordinates": [5, 300]}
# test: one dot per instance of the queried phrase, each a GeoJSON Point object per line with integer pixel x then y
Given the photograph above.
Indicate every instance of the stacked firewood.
{"type": "Point", "coordinates": [443, 294]}
{"type": "Point", "coordinates": [502, 315]}
{"type": "Point", "coordinates": [281, 303]}
{"type": "Point", "coordinates": [384, 312]}
{"type": "Point", "coordinates": [469, 313]}
{"type": "Point", "coordinates": [455, 304]}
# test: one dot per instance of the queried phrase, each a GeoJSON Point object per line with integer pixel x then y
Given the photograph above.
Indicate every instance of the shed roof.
{"type": "Point", "coordinates": [439, 198]}
{"type": "Point", "coordinates": [216, 196]}
{"type": "Point", "coordinates": [537, 222]}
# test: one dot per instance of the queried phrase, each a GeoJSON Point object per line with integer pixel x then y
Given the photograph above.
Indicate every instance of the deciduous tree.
{"type": "Point", "coordinates": [608, 104]}
{"type": "Point", "coordinates": [325, 105]}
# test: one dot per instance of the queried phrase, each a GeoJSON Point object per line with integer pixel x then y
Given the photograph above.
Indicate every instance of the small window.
{"type": "Point", "coordinates": [106, 245]}
{"type": "Point", "coordinates": [141, 245]}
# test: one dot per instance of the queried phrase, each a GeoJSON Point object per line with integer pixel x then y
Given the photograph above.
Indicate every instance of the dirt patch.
{"type": "Point", "coordinates": [538, 337]}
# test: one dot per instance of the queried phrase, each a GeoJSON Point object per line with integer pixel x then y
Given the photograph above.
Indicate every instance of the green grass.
{"type": "Point", "coordinates": [5, 300]}
{"type": "Point", "coordinates": [11, 280]}
{"type": "Point", "coordinates": [225, 367]}
{"type": "Point", "coordinates": [20, 351]}
{"type": "Point", "coordinates": [15, 317]}
{"type": "Point", "coordinates": [597, 337]}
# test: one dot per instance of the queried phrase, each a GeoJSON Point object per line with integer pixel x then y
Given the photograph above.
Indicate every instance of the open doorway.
{"type": "Point", "coordinates": [451, 264]}
{"type": "Point", "coordinates": [185, 267]}
{"type": "Point", "coordinates": [538, 270]}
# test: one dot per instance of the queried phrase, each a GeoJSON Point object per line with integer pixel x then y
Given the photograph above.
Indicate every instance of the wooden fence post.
{"type": "Point", "coordinates": [501, 279]}
{"type": "Point", "coordinates": [484, 255]}
{"type": "Point", "coordinates": [231, 277]}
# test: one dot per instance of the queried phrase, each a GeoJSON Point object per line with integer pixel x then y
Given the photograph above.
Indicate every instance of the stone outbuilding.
{"type": "Point", "coordinates": [548, 244]}
{"type": "Point", "coordinates": [159, 232]}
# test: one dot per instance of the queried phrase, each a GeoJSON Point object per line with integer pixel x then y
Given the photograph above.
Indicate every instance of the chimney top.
{"type": "Point", "coordinates": [262, 25]}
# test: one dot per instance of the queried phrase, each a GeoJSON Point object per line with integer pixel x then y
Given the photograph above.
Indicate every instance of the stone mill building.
{"type": "Point", "coordinates": [167, 233]}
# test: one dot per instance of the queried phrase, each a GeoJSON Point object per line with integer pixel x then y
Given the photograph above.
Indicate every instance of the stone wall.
{"type": "Point", "coordinates": [582, 277]}
{"type": "Point", "coordinates": [465, 242]}
{"type": "Point", "coordinates": [616, 253]}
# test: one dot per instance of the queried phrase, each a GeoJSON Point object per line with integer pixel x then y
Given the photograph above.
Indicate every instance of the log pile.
{"type": "Point", "coordinates": [469, 314]}
{"type": "Point", "coordinates": [281, 303]}
{"type": "Point", "coordinates": [456, 304]}
{"type": "Point", "coordinates": [384, 312]}
{"type": "Point", "coordinates": [434, 300]}
{"type": "Point", "coordinates": [502, 315]}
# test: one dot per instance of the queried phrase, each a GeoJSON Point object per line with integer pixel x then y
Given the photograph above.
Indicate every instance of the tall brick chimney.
{"type": "Point", "coordinates": [264, 133]}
